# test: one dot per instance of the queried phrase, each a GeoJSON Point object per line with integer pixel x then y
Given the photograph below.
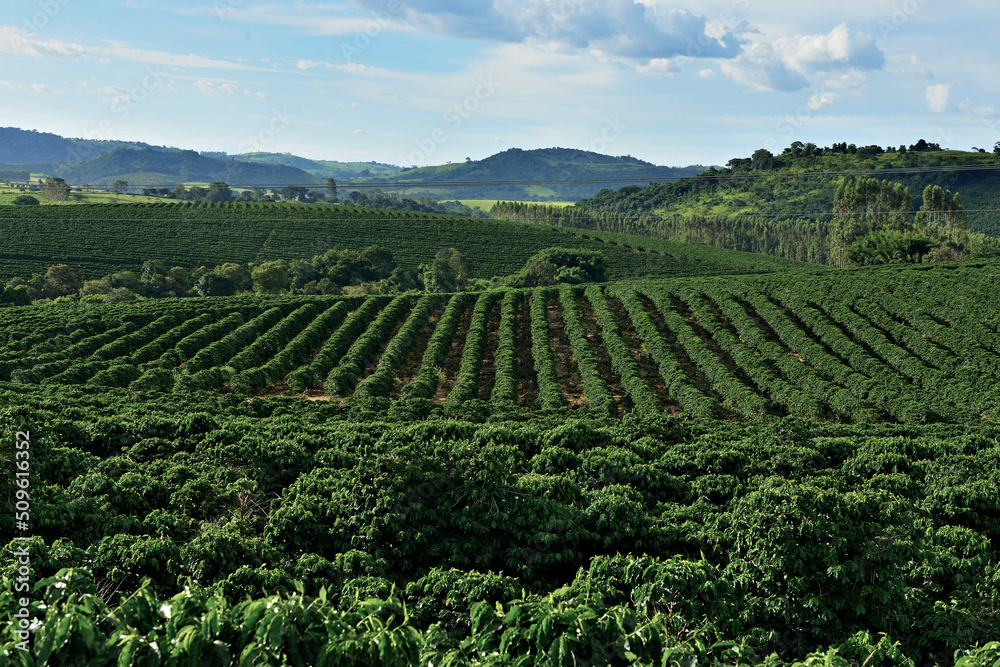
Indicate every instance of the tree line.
{"type": "Point", "coordinates": [372, 270]}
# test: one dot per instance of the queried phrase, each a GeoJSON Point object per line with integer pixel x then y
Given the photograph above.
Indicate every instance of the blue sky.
{"type": "Point", "coordinates": [430, 81]}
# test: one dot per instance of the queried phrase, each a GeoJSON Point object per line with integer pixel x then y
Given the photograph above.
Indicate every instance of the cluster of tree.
{"type": "Point", "coordinates": [220, 192]}
{"type": "Point", "coordinates": [874, 223]}
{"type": "Point", "coordinates": [55, 189]}
{"type": "Point", "coordinates": [369, 271]}
{"type": "Point", "coordinates": [763, 159]}
{"type": "Point", "coordinates": [12, 175]}
{"type": "Point", "coordinates": [553, 266]}
{"type": "Point", "coordinates": [378, 199]}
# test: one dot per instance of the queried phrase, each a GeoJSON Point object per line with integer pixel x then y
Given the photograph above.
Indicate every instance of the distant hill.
{"type": "Point", "coordinates": [340, 171]}
{"type": "Point", "coordinates": [546, 164]}
{"type": "Point", "coordinates": [24, 147]}
{"type": "Point", "coordinates": [147, 167]}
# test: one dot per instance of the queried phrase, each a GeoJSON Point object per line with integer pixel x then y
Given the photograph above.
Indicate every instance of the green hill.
{"type": "Point", "coordinates": [783, 205]}
{"type": "Point", "coordinates": [24, 147]}
{"type": "Point", "coordinates": [549, 164]}
{"type": "Point", "coordinates": [802, 181]}
{"type": "Point", "coordinates": [148, 167]}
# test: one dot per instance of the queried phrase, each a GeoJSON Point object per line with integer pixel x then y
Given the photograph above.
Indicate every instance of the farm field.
{"type": "Point", "coordinates": [739, 461]}
{"type": "Point", "coordinates": [206, 527]}
{"type": "Point", "coordinates": [911, 346]}
{"type": "Point", "coordinates": [97, 240]}
{"type": "Point", "coordinates": [8, 195]}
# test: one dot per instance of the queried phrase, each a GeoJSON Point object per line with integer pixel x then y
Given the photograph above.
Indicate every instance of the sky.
{"type": "Point", "coordinates": [418, 82]}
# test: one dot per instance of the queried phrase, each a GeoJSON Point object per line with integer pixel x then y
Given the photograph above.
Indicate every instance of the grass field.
{"type": "Point", "coordinates": [488, 204]}
{"type": "Point", "coordinates": [8, 195]}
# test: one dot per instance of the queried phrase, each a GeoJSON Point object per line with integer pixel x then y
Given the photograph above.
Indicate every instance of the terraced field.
{"type": "Point", "coordinates": [903, 345]}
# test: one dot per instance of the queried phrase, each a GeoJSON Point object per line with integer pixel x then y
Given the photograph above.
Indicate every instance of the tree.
{"type": "Point", "coordinates": [331, 189]}
{"type": "Point", "coordinates": [55, 189]}
{"type": "Point", "coordinates": [59, 281]}
{"type": "Point", "coordinates": [212, 284]}
{"type": "Point", "coordinates": [271, 277]}
{"type": "Point", "coordinates": [239, 276]}
{"type": "Point", "coordinates": [942, 210]}
{"type": "Point", "coordinates": [449, 272]}
{"type": "Point", "coordinates": [25, 200]}
{"type": "Point", "coordinates": [562, 265]}
{"type": "Point", "coordinates": [863, 205]}
{"type": "Point", "coordinates": [180, 192]}
{"type": "Point", "coordinates": [293, 192]}
{"type": "Point", "coordinates": [218, 191]}
{"type": "Point", "coordinates": [996, 148]}
{"type": "Point", "coordinates": [120, 186]}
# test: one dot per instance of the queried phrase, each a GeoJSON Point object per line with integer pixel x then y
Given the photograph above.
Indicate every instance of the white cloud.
{"type": "Point", "coordinates": [835, 50]}
{"type": "Point", "coordinates": [18, 42]}
{"type": "Point", "coordinates": [305, 65]}
{"type": "Point", "coordinates": [822, 100]}
{"type": "Point", "coordinates": [622, 28]}
{"type": "Point", "coordinates": [789, 63]}
{"type": "Point", "coordinates": [42, 88]}
{"type": "Point", "coordinates": [970, 107]}
{"type": "Point", "coordinates": [762, 68]}
{"type": "Point", "coordinates": [909, 66]}
{"type": "Point", "coordinates": [659, 66]}
{"type": "Point", "coordinates": [938, 96]}
{"type": "Point", "coordinates": [707, 73]}
{"type": "Point", "coordinates": [210, 89]}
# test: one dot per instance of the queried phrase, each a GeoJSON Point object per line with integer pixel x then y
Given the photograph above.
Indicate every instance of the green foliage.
{"type": "Point", "coordinates": [449, 272]}
{"type": "Point", "coordinates": [562, 265]}
{"type": "Point", "coordinates": [211, 235]}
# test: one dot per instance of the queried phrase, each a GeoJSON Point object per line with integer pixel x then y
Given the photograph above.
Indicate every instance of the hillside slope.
{"type": "Point", "coordinates": [98, 239]}
{"type": "Point", "coordinates": [19, 146]}
{"type": "Point", "coordinates": [802, 181]}
{"type": "Point", "coordinates": [339, 171]}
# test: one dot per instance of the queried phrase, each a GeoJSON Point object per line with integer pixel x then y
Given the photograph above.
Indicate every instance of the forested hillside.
{"type": "Point", "coordinates": [785, 205]}
{"type": "Point", "coordinates": [19, 146]}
